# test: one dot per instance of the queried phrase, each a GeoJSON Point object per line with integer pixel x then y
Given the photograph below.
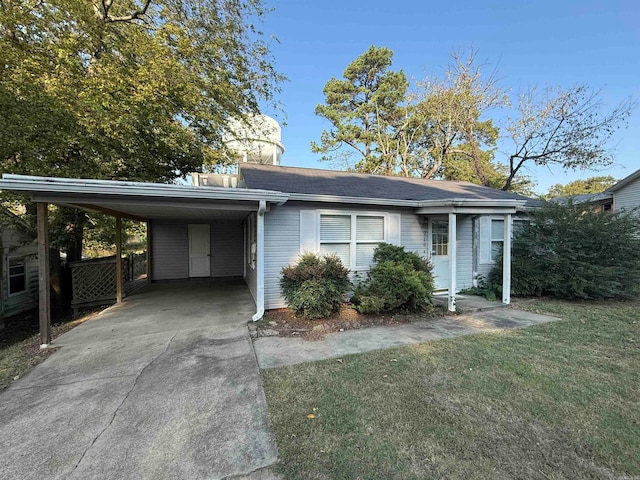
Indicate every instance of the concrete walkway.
{"type": "Point", "coordinates": [281, 351]}
{"type": "Point", "coordinates": [165, 386]}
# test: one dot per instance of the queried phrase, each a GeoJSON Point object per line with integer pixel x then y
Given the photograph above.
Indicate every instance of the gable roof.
{"type": "Point", "coordinates": [306, 182]}
{"type": "Point", "coordinates": [625, 181]}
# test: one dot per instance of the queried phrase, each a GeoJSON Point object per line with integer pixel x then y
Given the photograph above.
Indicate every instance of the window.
{"type": "Point", "coordinates": [440, 238]}
{"type": "Point", "coordinates": [353, 238]}
{"type": "Point", "coordinates": [497, 238]}
{"type": "Point", "coordinates": [17, 275]}
{"type": "Point", "coordinates": [335, 236]}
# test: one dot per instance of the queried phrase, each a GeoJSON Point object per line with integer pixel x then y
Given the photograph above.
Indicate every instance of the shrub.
{"type": "Point", "coordinates": [315, 286]}
{"type": "Point", "coordinates": [399, 280]}
{"type": "Point", "coordinates": [571, 251]}
{"type": "Point", "coordinates": [485, 288]}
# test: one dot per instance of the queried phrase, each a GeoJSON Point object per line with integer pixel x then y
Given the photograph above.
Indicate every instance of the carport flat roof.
{"type": "Point", "coordinates": [142, 201]}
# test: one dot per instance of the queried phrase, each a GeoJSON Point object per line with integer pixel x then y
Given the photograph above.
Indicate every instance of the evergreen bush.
{"type": "Point", "coordinates": [400, 280]}
{"type": "Point", "coordinates": [574, 252]}
{"type": "Point", "coordinates": [315, 286]}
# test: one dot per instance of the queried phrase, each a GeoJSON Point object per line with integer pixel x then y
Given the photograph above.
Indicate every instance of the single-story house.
{"type": "Point", "coordinates": [624, 195]}
{"type": "Point", "coordinates": [269, 214]}
{"type": "Point", "coordinates": [19, 285]}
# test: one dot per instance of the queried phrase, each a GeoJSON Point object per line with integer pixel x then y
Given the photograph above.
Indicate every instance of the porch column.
{"type": "Point", "coordinates": [149, 272]}
{"type": "Point", "coordinates": [452, 262]}
{"type": "Point", "coordinates": [118, 260]}
{"type": "Point", "coordinates": [506, 260]}
{"type": "Point", "coordinates": [44, 300]}
{"type": "Point", "coordinates": [260, 261]}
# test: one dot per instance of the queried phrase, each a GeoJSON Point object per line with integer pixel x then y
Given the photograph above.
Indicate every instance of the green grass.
{"type": "Point", "coordinates": [18, 358]}
{"type": "Point", "coordinates": [559, 400]}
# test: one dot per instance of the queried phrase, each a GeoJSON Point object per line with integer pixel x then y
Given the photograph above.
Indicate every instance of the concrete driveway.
{"type": "Point", "coordinates": [165, 385]}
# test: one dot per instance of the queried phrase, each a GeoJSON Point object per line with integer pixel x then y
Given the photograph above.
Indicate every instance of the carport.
{"type": "Point", "coordinates": [179, 219]}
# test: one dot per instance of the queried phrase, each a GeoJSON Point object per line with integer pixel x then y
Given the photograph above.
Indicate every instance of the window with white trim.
{"type": "Point", "coordinates": [352, 237]}
{"type": "Point", "coordinates": [497, 237]}
{"type": "Point", "coordinates": [17, 272]}
{"type": "Point", "coordinates": [440, 238]}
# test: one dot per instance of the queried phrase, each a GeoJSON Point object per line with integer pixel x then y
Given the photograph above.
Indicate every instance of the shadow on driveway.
{"type": "Point", "coordinates": [165, 385]}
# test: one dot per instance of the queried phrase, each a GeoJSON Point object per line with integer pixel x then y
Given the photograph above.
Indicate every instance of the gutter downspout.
{"type": "Point", "coordinates": [260, 261]}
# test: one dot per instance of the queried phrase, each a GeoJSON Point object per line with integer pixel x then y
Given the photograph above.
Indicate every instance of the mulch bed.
{"type": "Point", "coordinates": [286, 324]}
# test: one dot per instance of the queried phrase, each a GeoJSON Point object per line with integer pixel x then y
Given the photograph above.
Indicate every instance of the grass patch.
{"type": "Point", "coordinates": [558, 400]}
{"type": "Point", "coordinates": [20, 346]}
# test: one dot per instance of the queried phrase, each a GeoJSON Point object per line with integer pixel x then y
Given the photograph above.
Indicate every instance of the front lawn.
{"type": "Point", "coordinates": [559, 400]}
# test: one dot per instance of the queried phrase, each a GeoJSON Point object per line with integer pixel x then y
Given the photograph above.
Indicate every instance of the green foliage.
{"type": "Point", "coordinates": [485, 288]}
{"type": "Point", "coordinates": [361, 108]}
{"type": "Point", "coordinates": [386, 252]}
{"type": "Point", "coordinates": [572, 251]}
{"type": "Point", "coordinates": [580, 187]}
{"type": "Point", "coordinates": [442, 126]}
{"type": "Point", "coordinates": [126, 90]}
{"type": "Point", "coordinates": [399, 281]}
{"type": "Point", "coordinates": [315, 286]}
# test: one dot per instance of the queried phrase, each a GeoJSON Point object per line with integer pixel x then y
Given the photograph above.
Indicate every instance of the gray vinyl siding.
{"type": "Point", "coordinates": [169, 250]}
{"type": "Point", "coordinates": [282, 242]}
{"type": "Point", "coordinates": [281, 248]}
{"type": "Point", "coordinates": [464, 247]}
{"type": "Point", "coordinates": [227, 246]}
{"type": "Point", "coordinates": [14, 245]}
{"type": "Point", "coordinates": [250, 274]}
{"type": "Point", "coordinates": [413, 234]}
{"type": "Point", "coordinates": [628, 197]}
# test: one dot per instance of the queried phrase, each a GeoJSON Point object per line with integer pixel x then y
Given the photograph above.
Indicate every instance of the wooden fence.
{"type": "Point", "coordinates": [94, 281]}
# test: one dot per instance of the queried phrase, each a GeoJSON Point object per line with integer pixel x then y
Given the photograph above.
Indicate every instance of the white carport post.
{"type": "Point", "coordinates": [452, 262]}
{"type": "Point", "coordinates": [260, 261]}
{"type": "Point", "coordinates": [506, 260]}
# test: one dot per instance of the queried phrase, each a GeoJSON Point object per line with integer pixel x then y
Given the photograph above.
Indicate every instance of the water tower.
{"type": "Point", "coordinates": [258, 141]}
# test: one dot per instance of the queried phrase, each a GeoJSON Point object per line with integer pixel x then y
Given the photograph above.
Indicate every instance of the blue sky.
{"type": "Point", "coordinates": [558, 43]}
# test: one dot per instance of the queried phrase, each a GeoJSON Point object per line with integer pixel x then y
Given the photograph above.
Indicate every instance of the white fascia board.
{"type": "Point", "coordinates": [480, 210]}
{"type": "Point", "coordinates": [21, 183]}
{"type": "Point", "coordinates": [473, 202]}
{"type": "Point", "coordinates": [306, 197]}
{"type": "Point", "coordinates": [509, 204]}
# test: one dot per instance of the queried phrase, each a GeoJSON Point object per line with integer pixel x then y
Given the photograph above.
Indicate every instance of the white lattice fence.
{"type": "Point", "coordinates": [93, 281]}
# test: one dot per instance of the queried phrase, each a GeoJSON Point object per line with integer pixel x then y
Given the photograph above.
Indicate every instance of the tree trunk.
{"type": "Point", "coordinates": [75, 234]}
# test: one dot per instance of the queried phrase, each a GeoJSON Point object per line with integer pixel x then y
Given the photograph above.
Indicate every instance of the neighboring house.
{"type": "Point", "coordinates": [275, 213]}
{"type": "Point", "coordinates": [19, 286]}
{"type": "Point", "coordinates": [624, 195]}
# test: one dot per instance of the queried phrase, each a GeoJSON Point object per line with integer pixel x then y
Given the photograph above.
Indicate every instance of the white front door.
{"type": "Point", "coordinates": [440, 253]}
{"type": "Point", "coordinates": [199, 250]}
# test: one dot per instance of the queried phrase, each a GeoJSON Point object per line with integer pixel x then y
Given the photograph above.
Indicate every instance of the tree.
{"type": "Point", "coordinates": [444, 127]}
{"type": "Point", "coordinates": [580, 187]}
{"type": "Point", "coordinates": [565, 127]}
{"type": "Point", "coordinates": [433, 131]}
{"type": "Point", "coordinates": [362, 109]}
{"type": "Point", "coordinates": [573, 251]}
{"type": "Point", "coordinates": [126, 89]}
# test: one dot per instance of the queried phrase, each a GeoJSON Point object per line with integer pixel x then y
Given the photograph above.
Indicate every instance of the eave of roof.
{"type": "Point", "coordinates": [52, 185]}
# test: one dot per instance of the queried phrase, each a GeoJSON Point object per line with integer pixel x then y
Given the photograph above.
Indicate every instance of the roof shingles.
{"type": "Point", "coordinates": [348, 184]}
